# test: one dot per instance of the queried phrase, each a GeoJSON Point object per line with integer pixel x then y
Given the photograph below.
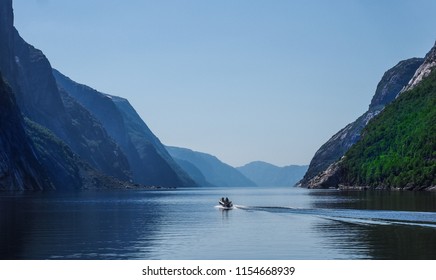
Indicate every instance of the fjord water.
{"type": "Point", "coordinates": [268, 223]}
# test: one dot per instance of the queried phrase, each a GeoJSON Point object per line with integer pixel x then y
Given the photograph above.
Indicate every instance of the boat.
{"type": "Point", "coordinates": [225, 203]}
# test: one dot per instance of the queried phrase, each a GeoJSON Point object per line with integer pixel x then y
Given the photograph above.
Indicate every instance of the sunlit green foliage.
{"type": "Point", "coordinates": [398, 147]}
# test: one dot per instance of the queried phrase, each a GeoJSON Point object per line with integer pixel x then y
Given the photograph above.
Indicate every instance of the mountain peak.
{"type": "Point", "coordinates": [388, 88]}
{"type": "Point", "coordinates": [393, 81]}
{"type": "Point", "coordinates": [6, 14]}
{"type": "Point", "coordinates": [424, 70]}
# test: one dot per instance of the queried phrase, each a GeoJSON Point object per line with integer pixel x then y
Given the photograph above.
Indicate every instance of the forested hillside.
{"type": "Point", "coordinates": [398, 148]}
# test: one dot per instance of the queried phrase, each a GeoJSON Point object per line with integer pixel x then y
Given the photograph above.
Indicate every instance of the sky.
{"type": "Point", "coordinates": [243, 80]}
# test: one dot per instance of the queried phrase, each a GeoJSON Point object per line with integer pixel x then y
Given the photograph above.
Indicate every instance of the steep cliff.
{"type": "Point", "coordinates": [150, 162]}
{"type": "Point", "coordinates": [391, 84]}
{"type": "Point", "coordinates": [424, 70]}
{"type": "Point", "coordinates": [397, 148]}
{"type": "Point", "coordinates": [29, 73]}
{"type": "Point", "coordinates": [65, 169]}
{"type": "Point", "coordinates": [89, 139]}
{"type": "Point", "coordinates": [19, 168]}
{"type": "Point", "coordinates": [6, 37]}
{"type": "Point", "coordinates": [33, 158]}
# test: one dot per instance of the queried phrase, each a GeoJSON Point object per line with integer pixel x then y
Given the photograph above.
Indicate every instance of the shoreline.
{"type": "Point", "coordinates": [370, 188]}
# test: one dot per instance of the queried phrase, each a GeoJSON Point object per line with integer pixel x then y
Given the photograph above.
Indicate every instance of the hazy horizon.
{"type": "Point", "coordinates": [242, 80]}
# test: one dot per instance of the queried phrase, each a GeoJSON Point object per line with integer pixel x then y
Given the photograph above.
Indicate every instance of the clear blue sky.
{"type": "Point", "coordinates": [244, 80]}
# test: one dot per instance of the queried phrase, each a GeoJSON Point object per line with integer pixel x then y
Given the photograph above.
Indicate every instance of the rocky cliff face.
{"type": "Point", "coordinates": [29, 73]}
{"type": "Point", "coordinates": [397, 147]}
{"type": "Point", "coordinates": [19, 168]}
{"type": "Point", "coordinates": [89, 139]}
{"type": "Point", "coordinates": [33, 158]}
{"type": "Point", "coordinates": [149, 160]}
{"type": "Point", "coordinates": [391, 84]}
{"type": "Point", "coordinates": [393, 81]}
{"type": "Point", "coordinates": [6, 37]}
{"type": "Point", "coordinates": [424, 70]}
{"type": "Point", "coordinates": [26, 69]}
{"type": "Point", "coordinates": [75, 143]}
{"type": "Point", "coordinates": [65, 169]}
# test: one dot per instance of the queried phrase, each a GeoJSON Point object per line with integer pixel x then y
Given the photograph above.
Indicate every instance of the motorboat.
{"type": "Point", "coordinates": [225, 203]}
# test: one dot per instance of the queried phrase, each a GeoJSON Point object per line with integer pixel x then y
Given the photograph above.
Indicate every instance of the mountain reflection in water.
{"type": "Point", "coordinates": [267, 223]}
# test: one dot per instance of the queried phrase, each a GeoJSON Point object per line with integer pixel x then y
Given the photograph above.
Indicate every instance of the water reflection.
{"type": "Point", "coordinates": [388, 240]}
{"type": "Point", "coordinates": [375, 200]}
{"type": "Point", "coordinates": [79, 225]}
{"type": "Point", "coordinates": [184, 224]}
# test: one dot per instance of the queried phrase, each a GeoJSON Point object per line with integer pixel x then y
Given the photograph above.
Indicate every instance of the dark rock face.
{"type": "Point", "coordinates": [215, 172]}
{"type": "Point", "coordinates": [33, 158]}
{"type": "Point", "coordinates": [37, 94]}
{"type": "Point", "coordinates": [65, 169]}
{"type": "Point", "coordinates": [391, 84]}
{"type": "Point", "coordinates": [71, 141]}
{"type": "Point", "coordinates": [19, 168]}
{"type": "Point", "coordinates": [90, 140]}
{"type": "Point", "coordinates": [328, 178]}
{"type": "Point", "coordinates": [6, 37]}
{"type": "Point", "coordinates": [29, 73]}
{"type": "Point", "coordinates": [393, 81]}
{"type": "Point", "coordinates": [149, 160]}
{"type": "Point", "coordinates": [57, 159]}
{"type": "Point", "coordinates": [42, 102]}
{"type": "Point", "coordinates": [265, 174]}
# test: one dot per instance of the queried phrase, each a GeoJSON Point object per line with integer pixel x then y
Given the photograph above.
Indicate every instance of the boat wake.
{"type": "Point", "coordinates": [224, 208]}
{"type": "Point", "coordinates": [363, 217]}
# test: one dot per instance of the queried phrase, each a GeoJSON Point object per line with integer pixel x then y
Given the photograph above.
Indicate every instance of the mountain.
{"type": "Point", "coordinates": [266, 174]}
{"type": "Point", "coordinates": [65, 169]}
{"type": "Point", "coordinates": [150, 162]}
{"type": "Point", "coordinates": [29, 74]}
{"type": "Point", "coordinates": [214, 171]}
{"type": "Point", "coordinates": [71, 145]}
{"type": "Point", "coordinates": [397, 148]}
{"type": "Point", "coordinates": [19, 168]}
{"type": "Point", "coordinates": [391, 84]}
{"type": "Point", "coordinates": [424, 70]}
{"type": "Point", "coordinates": [33, 158]}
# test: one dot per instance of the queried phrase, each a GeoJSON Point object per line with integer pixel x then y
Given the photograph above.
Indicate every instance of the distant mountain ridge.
{"type": "Point", "coordinates": [266, 174]}
{"type": "Point", "coordinates": [208, 169]}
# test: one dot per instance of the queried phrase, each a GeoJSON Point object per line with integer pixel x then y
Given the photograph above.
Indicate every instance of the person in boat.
{"type": "Point", "coordinates": [225, 202]}
{"type": "Point", "coordinates": [222, 201]}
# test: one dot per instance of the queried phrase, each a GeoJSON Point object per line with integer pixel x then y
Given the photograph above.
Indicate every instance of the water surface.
{"type": "Point", "coordinates": [268, 223]}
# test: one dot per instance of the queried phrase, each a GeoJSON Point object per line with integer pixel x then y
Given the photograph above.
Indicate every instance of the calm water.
{"type": "Point", "coordinates": [269, 223]}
